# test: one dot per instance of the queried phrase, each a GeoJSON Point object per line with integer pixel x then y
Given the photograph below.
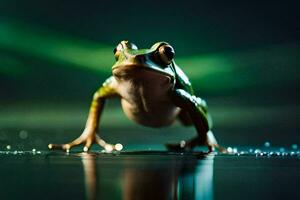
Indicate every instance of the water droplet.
{"type": "Point", "coordinates": [8, 147]}
{"type": "Point", "coordinates": [33, 150]}
{"type": "Point", "coordinates": [278, 153]}
{"type": "Point", "coordinates": [267, 144]}
{"type": "Point", "coordinates": [257, 151]}
{"type": "Point", "coordinates": [229, 149]}
{"type": "Point", "coordinates": [281, 149]}
{"type": "Point", "coordinates": [234, 150]}
{"type": "Point", "coordinates": [294, 146]}
{"type": "Point", "coordinates": [23, 134]}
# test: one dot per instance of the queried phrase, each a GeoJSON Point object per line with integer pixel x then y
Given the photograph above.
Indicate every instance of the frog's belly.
{"type": "Point", "coordinates": [146, 101]}
{"type": "Point", "coordinates": [160, 114]}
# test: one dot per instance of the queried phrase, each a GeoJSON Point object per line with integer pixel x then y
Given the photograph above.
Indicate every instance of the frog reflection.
{"type": "Point", "coordinates": [149, 179]}
{"type": "Point", "coordinates": [154, 92]}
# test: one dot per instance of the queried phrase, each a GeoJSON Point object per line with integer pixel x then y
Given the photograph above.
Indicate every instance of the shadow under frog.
{"type": "Point", "coordinates": [148, 177]}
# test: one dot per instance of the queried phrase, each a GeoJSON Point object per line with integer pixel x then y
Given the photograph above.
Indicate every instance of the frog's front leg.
{"type": "Point", "coordinates": [201, 120]}
{"type": "Point", "coordinates": [89, 136]}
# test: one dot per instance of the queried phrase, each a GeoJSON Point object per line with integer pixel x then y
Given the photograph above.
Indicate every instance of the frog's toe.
{"type": "Point", "coordinates": [118, 147]}
{"type": "Point", "coordinates": [108, 147]}
{"type": "Point", "coordinates": [65, 147]}
{"type": "Point", "coordinates": [221, 149]}
{"type": "Point", "coordinates": [55, 146]}
{"type": "Point", "coordinates": [88, 144]}
{"type": "Point", "coordinates": [216, 147]}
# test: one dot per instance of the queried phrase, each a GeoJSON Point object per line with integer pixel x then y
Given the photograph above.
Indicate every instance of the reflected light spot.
{"type": "Point", "coordinates": [229, 150]}
{"type": "Point", "coordinates": [182, 144]}
{"type": "Point", "coordinates": [118, 147]}
{"type": "Point", "coordinates": [294, 146]}
{"type": "Point", "coordinates": [267, 144]}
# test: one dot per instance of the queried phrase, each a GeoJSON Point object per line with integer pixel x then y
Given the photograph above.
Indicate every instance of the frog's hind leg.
{"type": "Point", "coordinates": [185, 118]}
{"type": "Point", "coordinates": [210, 142]}
{"type": "Point", "coordinates": [197, 110]}
{"type": "Point", "coordinates": [190, 144]}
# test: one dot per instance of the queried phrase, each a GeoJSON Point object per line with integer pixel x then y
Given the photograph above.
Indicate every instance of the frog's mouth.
{"type": "Point", "coordinates": [127, 70]}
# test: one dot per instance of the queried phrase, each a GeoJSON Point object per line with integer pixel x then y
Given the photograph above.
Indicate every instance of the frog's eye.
{"type": "Point", "coordinates": [117, 50]}
{"type": "Point", "coordinates": [166, 53]}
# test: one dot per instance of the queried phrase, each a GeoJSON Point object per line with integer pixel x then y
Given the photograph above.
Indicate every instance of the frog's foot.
{"type": "Point", "coordinates": [217, 147]}
{"type": "Point", "coordinates": [87, 140]}
{"type": "Point", "coordinates": [212, 143]}
{"type": "Point", "coordinates": [188, 145]}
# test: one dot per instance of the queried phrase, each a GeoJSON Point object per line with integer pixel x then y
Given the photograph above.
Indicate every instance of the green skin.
{"type": "Point", "coordinates": [154, 92]}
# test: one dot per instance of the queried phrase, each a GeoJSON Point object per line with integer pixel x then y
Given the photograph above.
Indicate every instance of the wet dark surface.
{"type": "Point", "coordinates": [260, 166]}
{"type": "Point", "coordinates": [147, 175]}
{"type": "Point", "coordinates": [242, 58]}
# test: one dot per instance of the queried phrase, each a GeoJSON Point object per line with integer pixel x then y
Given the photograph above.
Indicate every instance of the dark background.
{"type": "Point", "coordinates": [243, 58]}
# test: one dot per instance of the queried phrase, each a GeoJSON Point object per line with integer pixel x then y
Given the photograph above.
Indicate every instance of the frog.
{"type": "Point", "coordinates": [154, 92]}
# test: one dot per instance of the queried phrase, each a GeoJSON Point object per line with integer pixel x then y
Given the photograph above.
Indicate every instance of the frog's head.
{"type": "Point", "coordinates": [128, 57]}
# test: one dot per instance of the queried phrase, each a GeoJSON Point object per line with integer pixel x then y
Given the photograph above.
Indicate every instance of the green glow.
{"type": "Point", "coordinates": [66, 116]}
{"type": "Point", "coordinates": [11, 66]}
{"type": "Point", "coordinates": [212, 72]}
{"type": "Point", "coordinates": [267, 66]}
{"type": "Point", "coordinates": [47, 45]}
